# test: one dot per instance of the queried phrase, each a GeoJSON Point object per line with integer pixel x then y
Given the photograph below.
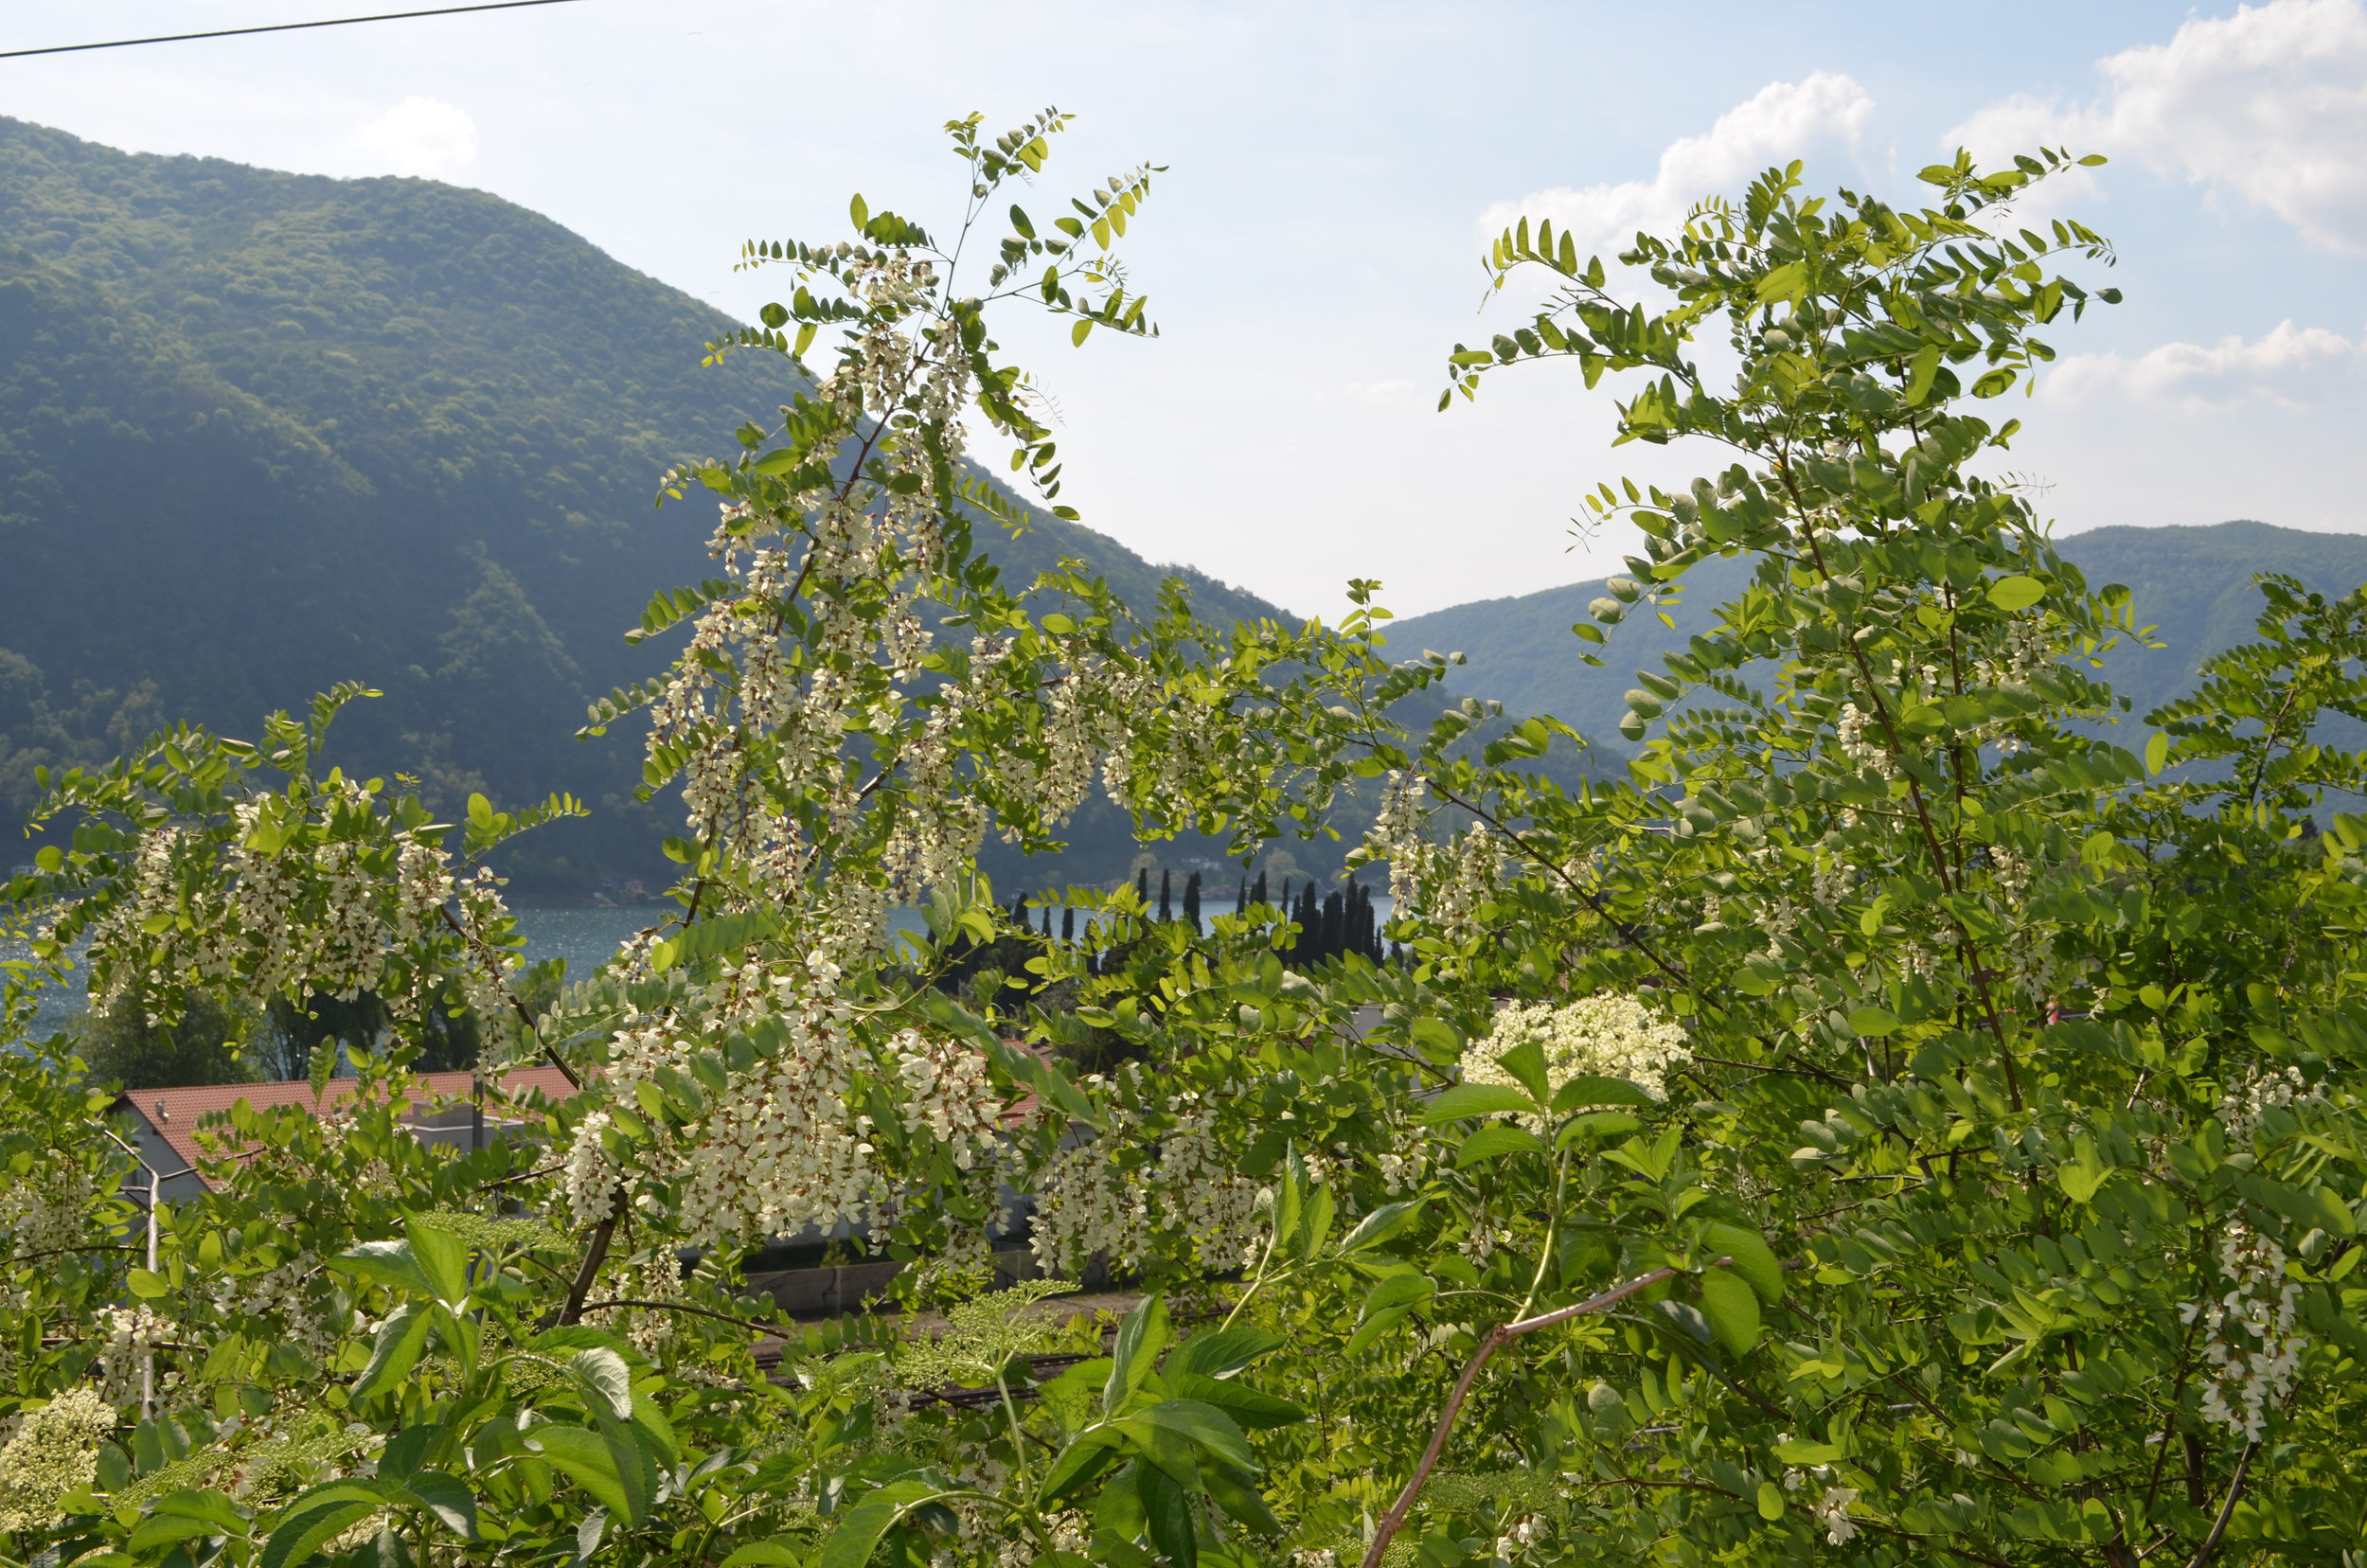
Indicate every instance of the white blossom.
{"type": "Point", "coordinates": [2248, 1342]}
{"type": "Point", "coordinates": [54, 1450]}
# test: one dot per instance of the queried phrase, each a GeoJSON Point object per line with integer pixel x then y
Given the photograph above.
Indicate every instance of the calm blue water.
{"type": "Point", "coordinates": [585, 938]}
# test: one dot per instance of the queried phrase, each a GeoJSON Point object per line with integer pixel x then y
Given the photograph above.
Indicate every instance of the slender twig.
{"type": "Point", "coordinates": [2227, 1509]}
{"type": "Point", "coordinates": [1619, 928]}
{"type": "Point", "coordinates": [685, 1307]}
{"type": "Point", "coordinates": [492, 970]}
{"type": "Point", "coordinates": [2169, 1422]}
{"type": "Point", "coordinates": [61, 1252]}
{"type": "Point", "coordinates": [1940, 863]}
{"type": "Point", "coordinates": [1394, 1518]}
{"type": "Point", "coordinates": [596, 1255]}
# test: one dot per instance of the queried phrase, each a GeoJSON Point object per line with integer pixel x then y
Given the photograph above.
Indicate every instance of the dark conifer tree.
{"type": "Point", "coordinates": [1258, 889]}
{"type": "Point", "coordinates": [1335, 925]}
{"type": "Point", "coordinates": [1310, 916]}
{"type": "Point", "coordinates": [1142, 886]}
{"type": "Point", "coordinates": [1191, 903]}
{"type": "Point", "coordinates": [1068, 924]}
{"type": "Point", "coordinates": [1167, 896]}
{"type": "Point", "coordinates": [1047, 923]}
{"type": "Point", "coordinates": [1241, 896]}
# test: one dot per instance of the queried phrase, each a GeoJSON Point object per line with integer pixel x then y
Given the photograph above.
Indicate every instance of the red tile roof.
{"type": "Point", "coordinates": [176, 1112]}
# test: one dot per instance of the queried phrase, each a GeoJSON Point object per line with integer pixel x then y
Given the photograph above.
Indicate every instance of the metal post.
{"type": "Point", "coordinates": [148, 1362]}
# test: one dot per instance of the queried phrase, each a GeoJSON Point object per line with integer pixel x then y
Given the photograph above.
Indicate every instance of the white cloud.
{"type": "Point", "coordinates": [2268, 107]}
{"type": "Point", "coordinates": [419, 135]}
{"type": "Point", "coordinates": [2287, 366]}
{"type": "Point", "coordinates": [1818, 118]}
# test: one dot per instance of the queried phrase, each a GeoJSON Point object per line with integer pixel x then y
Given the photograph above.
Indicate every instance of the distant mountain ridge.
{"type": "Point", "coordinates": [2195, 583]}
{"type": "Point", "coordinates": [260, 432]}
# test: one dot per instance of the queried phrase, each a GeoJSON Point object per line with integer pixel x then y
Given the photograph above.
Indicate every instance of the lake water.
{"type": "Point", "coordinates": [585, 938]}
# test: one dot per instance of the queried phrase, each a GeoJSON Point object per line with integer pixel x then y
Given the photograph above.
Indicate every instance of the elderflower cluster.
{"type": "Point", "coordinates": [2249, 1341]}
{"type": "Point", "coordinates": [1602, 1036]}
{"type": "Point", "coordinates": [2243, 1105]}
{"type": "Point", "coordinates": [291, 1294]}
{"type": "Point", "coordinates": [54, 1450]}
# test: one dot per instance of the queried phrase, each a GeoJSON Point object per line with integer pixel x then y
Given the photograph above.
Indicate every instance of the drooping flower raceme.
{"type": "Point", "coordinates": [2248, 1342]}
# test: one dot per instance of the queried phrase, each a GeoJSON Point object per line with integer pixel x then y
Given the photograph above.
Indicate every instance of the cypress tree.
{"type": "Point", "coordinates": [1258, 889]}
{"type": "Point", "coordinates": [1241, 896]}
{"type": "Point", "coordinates": [1166, 897]}
{"type": "Point", "coordinates": [1311, 924]}
{"type": "Point", "coordinates": [1047, 923]}
{"type": "Point", "coordinates": [1191, 903]}
{"type": "Point", "coordinates": [1068, 924]}
{"type": "Point", "coordinates": [1335, 925]}
{"type": "Point", "coordinates": [1142, 886]}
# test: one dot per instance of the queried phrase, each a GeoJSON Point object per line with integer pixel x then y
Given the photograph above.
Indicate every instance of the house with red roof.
{"type": "Point", "coordinates": [455, 1109]}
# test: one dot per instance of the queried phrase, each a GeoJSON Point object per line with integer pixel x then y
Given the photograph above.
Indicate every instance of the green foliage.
{"type": "Point", "coordinates": [207, 1043]}
{"type": "Point", "coordinates": [383, 429]}
{"type": "Point", "coordinates": [1897, 1121]}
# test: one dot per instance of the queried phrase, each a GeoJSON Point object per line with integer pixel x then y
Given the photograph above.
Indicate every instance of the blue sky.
{"type": "Point", "coordinates": [1312, 252]}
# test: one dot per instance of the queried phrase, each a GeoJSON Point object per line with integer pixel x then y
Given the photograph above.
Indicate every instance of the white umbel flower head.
{"type": "Point", "coordinates": [54, 1450]}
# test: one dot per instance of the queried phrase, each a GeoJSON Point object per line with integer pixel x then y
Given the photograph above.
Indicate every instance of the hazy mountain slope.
{"type": "Point", "coordinates": [260, 432]}
{"type": "Point", "coordinates": [2194, 583]}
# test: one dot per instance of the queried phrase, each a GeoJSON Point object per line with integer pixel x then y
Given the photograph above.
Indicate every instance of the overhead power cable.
{"type": "Point", "coordinates": [278, 27]}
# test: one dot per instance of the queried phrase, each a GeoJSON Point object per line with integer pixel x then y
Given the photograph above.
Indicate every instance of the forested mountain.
{"type": "Point", "coordinates": [262, 432]}
{"type": "Point", "coordinates": [2194, 584]}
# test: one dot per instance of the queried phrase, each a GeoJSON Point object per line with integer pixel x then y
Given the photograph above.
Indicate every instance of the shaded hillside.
{"type": "Point", "coordinates": [2194, 583]}
{"type": "Point", "coordinates": [261, 432]}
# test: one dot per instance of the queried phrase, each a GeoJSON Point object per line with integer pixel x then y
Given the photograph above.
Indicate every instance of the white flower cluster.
{"type": "Point", "coordinates": [47, 1209]}
{"type": "Point", "coordinates": [54, 1450]}
{"type": "Point", "coordinates": [780, 1144]}
{"type": "Point", "coordinates": [1518, 1537]}
{"type": "Point", "coordinates": [1861, 742]}
{"type": "Point", "coordinates": [650, 1329]}
{"type": "Point", "coordinates": [587, 1185]}
{"type": "Point", "coordinates": [2242, 1105]}
{"type": "Point", "coordinates": [1832, 1514]}
{"type": "Point", "coordinates": [1404, 1164]}
{"type": "Point", "coordinates": [1086, 1204]}
{"type": "Point", "coordinates": [1086, 1207]}
{"type": "Point", "coordinates": [276, 910]}
{"type": "Point", "coordinates": [2249, 1340]}
{"type": "Point", "coordinates": [1602, 1036]}
{"type": "Point", "coordinates": [130, 1332]}
{"type": "Point", "coordinates": [1446, 882]}
{"type": "Point", "coordinates": [294, 1294]}
{"type": "Point", "coordinates": [1199, 1192]}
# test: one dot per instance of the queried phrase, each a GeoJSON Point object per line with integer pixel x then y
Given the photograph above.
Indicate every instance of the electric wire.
{"type": "Point", "coordinates": [278, 27]}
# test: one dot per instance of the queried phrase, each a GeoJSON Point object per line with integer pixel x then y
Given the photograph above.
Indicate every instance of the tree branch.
{"type": "Point", "coordinates": [1394, 1520]}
